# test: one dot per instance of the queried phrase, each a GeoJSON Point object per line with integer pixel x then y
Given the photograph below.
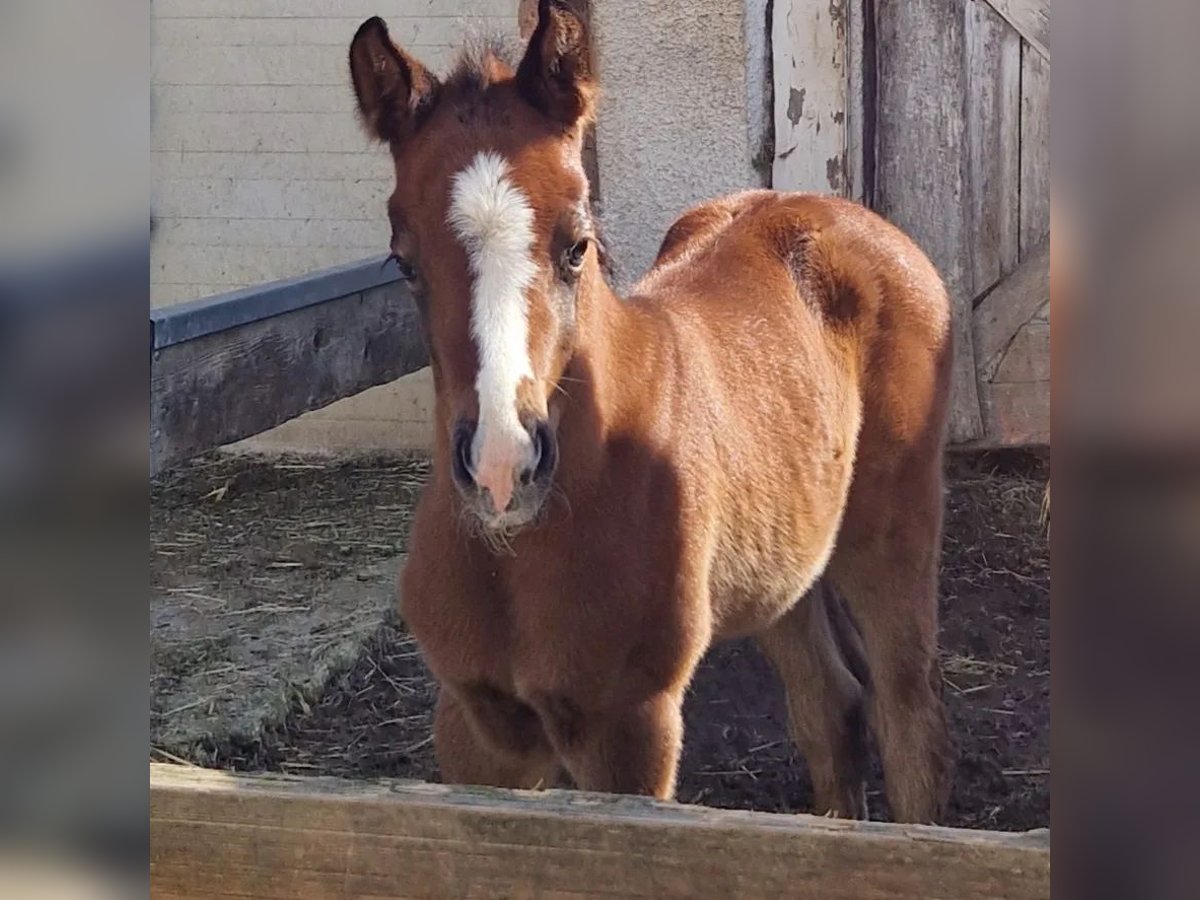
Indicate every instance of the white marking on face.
{"type": "Point", "coordinates": [493, 219]}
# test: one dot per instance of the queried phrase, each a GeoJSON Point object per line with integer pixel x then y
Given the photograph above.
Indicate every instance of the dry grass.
{"type": "Point", "coordinates": [256, 566]}
{"type": "Point", "coordinates": [219, 518]}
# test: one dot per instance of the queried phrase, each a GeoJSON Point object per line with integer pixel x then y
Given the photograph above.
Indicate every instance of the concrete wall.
{"type": "Point", "coordinates": [260, 171]}
{"type": "Point", "coordinates": [683, 114]}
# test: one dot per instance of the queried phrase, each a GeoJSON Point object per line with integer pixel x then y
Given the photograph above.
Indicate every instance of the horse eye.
{"type": "Point", "coordinates": [403, 266]}
{"type": "Point", "coordinates": [573, 258]}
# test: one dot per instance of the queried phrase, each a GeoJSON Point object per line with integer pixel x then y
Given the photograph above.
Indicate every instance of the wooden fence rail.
{"type": "Point", "coordinates": [213, 834]}
{"type": "Point", "coordinates": [235, 365]}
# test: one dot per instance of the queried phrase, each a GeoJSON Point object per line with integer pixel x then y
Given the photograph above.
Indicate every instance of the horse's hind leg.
{"type": "Point", "coordinates": [825, 699]}
{"type": "Point", "coordinates": [885, 566]}
{"type": "Point", "coordinates": [503, 747]}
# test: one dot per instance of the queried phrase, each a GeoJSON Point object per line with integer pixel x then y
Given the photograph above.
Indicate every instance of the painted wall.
{"type": "Point", "coordinates": [261, 172]}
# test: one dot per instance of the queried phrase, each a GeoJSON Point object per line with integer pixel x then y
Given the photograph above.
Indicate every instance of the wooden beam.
{"type": "Point", "coordinates": [921, 170]}
{"type": "Point", "coordinates": [1017, 414]}
{"type": "Point", "coordinates": [1031, 19]}
{"type": "Point", "coordinates": [1012, 342]}
{"type": "Point", "coordinates": [993, 118]}
{"type": "Point", "coordinates": [213, 834]}
{"type": "Point", "coordinates": [1035, 150]}
{"type": "Point", "coordinates": [809, 42]}
{"type": "Point", "coordinates": [229, 383]}
{"type": "Point", "coordinates": [1009, 305]}
{"type": "Point", "coordinates": [196, 318]}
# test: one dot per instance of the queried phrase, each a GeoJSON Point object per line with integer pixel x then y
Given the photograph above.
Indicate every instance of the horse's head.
{"type": "Point", "coordinates": [491, 225]}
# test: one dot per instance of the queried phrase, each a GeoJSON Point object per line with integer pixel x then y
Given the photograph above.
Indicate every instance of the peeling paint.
{"type": "Point", "coordinates": [795, 110]}
{"type": "Point", "coordinates": [839, 117]}
{"type": "Point", "coordinates": [834, 169]}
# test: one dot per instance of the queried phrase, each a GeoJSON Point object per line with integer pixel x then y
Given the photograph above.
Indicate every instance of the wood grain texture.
{"type": "Point", "coordinates": [1031, 19]}
{"type": "Point", "coordinates": [1035, 149]}
{"type": "Point", "coordinates": [1012, 340]}
{"type": "Point", "coordinates": [237, 383]}
{"type": "Point", "coordinates": [1004, 311]}
{"type": "Point", "coordinates": [857, 110]}
{"type": "Point", "coordinates": [993, 111]}
{"type": "Point", "coordinates": [219, 835]}
{"type": "Point", "coordinates": [809, 46]}
{"type": "Point", "coordinates": [921, 151]}
{"type": "Point", "coordinates": [1017, 415]}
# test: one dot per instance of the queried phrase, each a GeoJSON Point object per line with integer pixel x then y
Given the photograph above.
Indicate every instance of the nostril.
{"type": "Point", "coordinates": [538, 442]}
{"type": "Point", "coordinates": [463, 435]}
{"type": "Point", "coordinates": [545, 452]}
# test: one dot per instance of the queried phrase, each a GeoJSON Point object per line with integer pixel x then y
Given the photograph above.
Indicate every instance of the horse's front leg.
{"type": "Point", "coordinates": [482, 736]}
{"type": "Point", "coordinates": [630, 747]}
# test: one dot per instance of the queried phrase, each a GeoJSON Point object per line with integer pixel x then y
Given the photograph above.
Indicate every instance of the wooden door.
{"type": "Point", "coordinates": [936, 114]}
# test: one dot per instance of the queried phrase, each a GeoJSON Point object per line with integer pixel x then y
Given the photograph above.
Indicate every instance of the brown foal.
{"type": "Point", "coordinates": [749, 444]}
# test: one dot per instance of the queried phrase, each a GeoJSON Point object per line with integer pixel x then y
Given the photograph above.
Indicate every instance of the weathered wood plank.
{"type": "Point", "coordinates": [1031, 19]}
{"type": "Point", "coordinates": [241, 381]}
{"type": "Point", "coordinates": [1004, 311]}
{"type": "Point", "coordinates": [1035, 149]}
{"type": "Point", "coordinates": [920, 163]}
{"type": "Point", "coordinates": [993, 110]}
{"type": "Point", "coordinates": [809, 44]}
{"type": "Point", "coordinates": [859, 69]}
{"type": "Point", "coordinates": [217, 835]}
{"type": "Point", "coordinates": [1017, 414]}
{"type": "Point", "coordinates": [1012, 342]}
{"type": "Point", "coordinates": [1027, 357]}
{"type": "Point", "coordinates": [196, 318]}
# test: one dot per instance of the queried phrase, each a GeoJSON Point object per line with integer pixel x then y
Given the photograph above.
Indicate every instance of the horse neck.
{"type": "Point", "coordinates": [606, 380]}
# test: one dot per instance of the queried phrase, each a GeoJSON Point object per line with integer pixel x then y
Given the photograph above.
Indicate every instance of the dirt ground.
{"type": "Point", "coordinates": [224, 521]}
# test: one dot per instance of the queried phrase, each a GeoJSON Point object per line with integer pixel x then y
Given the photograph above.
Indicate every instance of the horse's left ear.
{"type": "Point", "coordinates": [556, 73]}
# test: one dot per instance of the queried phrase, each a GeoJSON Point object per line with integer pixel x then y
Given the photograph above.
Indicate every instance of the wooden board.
{"type": "Point", "coordinates": [1035, 149]}
{"type": "Point", "coordinates": [921, 151]}
{"type": "Point", "coordinates": [1030, 18]}
{"type": "Point", "coordinates": [238, 382]}
{"type": "Point", "coordinates": [1013, 303]}
{"type": "Point", "coordinates": [217, 835]}
{"type": "Point", "coordinates": [1017, 413]}
{"type": "Point", "coordinates": [993, 112]}
{"type": "Point", "coordinates": [808, 46]}
{"type": "Point", "coordinates": [1012, 340]}
{"type": "Point", "coordinates": [860, 102]}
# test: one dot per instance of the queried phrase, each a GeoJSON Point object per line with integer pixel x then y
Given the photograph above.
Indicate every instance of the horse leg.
{"type": "Point", "coordinates": [825, 700]}
{"type": "Point", "coordinates": [491, 741]}
{"type": "Point", "coordinates": [629, 748]}
{"type": "Point", "coordinates": [885, 566]}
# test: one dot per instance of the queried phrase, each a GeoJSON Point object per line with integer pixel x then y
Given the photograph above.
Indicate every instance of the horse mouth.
{"type": "Point", "coordinates": [497, 530]}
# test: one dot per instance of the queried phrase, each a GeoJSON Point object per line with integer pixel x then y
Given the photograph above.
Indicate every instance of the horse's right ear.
{"type": "Point", "coordinates": [394, 90]}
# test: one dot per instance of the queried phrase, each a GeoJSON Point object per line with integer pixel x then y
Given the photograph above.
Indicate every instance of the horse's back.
{"type": "Point", "coordinates": [816, 270]}
{"type": "Point", "coordinates": [845, 258]}
{"type": "Point", "coordinates": [817, 334]}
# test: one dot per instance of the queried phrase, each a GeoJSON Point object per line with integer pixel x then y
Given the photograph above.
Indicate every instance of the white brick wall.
{"type": "Point", "coordinates": [260, 170]}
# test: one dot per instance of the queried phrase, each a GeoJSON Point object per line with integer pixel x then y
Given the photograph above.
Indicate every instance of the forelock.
{"type": "Point", "coordinates": [482, 60]}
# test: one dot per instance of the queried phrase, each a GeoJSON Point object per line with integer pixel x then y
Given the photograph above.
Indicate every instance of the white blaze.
{"type": "Point", "coordinates": [494, 221]}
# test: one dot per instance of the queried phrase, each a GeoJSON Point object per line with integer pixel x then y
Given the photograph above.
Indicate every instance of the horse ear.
{"type": "Point", "coordinates": [556, 73]}
{"type": "Point", "coordinates": [394, 90]}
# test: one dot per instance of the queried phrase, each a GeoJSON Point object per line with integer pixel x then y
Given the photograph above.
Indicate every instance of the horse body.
{"type": "Point", "coordinates": [757, 426]}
